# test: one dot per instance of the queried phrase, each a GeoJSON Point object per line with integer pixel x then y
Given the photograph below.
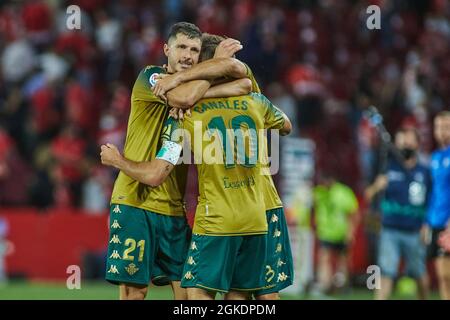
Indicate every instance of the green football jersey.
{"type": "Point", "coordinates": [271, 197]}
{"type": "Point", "coordinates": [145, 125]}
{"type": "Point", "coordinates": [228, 162]}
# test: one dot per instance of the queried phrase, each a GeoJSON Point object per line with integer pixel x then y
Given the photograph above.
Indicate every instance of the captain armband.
{"type": "Point", "coordinates": [170, 152]}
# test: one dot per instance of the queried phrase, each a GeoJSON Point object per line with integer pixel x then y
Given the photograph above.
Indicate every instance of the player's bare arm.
{"type": "Point", "coordinates": [228, 88]}
{"type": "Point", "coordinates": [152, 173]}
{"type": "Point", "coordinates": [207, 70]}
{"type": "Point", "coordinates": [191, 92]}
{"type": "Point", "coordinates": [287, 127]}
{"type": "Point", "coordinates": [233, 88]}
{"type": "Point", "coordinates": [187, 92]}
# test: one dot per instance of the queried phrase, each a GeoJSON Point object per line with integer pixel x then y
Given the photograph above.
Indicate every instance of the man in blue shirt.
{"type": "Point", "coordinates": [438, 216]}
{"type": "Point", "coordinates": [406, 186]}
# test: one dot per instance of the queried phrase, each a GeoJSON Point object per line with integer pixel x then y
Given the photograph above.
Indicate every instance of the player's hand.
{"type": "Point", "coordinates": [164, 84]}
{"type": "Point", "coordinates": [179, 113]}
{"type": "Point", "coordinates": [110, 155]}
{"type": "Point", "coordinates": [173, 113]}
{"type": "Point", "coordinates": [161, 76]}
{"type": "Point", "coordinates": [227, 48]}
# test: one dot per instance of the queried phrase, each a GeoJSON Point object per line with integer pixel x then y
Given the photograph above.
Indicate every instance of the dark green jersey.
{"type": "Point", "coordinates": [145, 125]}
{"type": "Point", "coordinates": [225, 136]}
{"type": "Point", "coordinates": [271, 197]}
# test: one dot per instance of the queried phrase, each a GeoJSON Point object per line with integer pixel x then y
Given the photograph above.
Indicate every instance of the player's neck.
{"type": "Point", "coordinates": [169, 70]}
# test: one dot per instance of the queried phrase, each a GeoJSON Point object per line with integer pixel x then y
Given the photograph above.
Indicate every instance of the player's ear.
{"type": "Point", "coordinates": [166, 49]}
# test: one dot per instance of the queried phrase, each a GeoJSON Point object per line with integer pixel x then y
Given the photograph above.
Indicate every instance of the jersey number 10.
{"type": "Point", "coordinates": [234, 151]}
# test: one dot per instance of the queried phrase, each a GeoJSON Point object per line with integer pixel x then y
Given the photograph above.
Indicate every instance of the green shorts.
{"type": "Point", "coordinates": [159, 277]}
{"type": "Point", "coordinates": [145, 246]}
{"type": "Point", "coordinates": [223, 263]}
{"type": "Point", "coordinates": [279, 264]}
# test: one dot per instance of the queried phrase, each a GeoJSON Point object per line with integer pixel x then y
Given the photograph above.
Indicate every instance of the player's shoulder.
{"type": "Point", "coordinates": [257, 96]}
{"type": "Point", "coordinates": [150, 72]}
{"type": "Point", "coordinates": [257, 100]}
{"type": "Point", "coordinates": [247, 68]}
{"type": "Point", "coordinates": [153, 68]}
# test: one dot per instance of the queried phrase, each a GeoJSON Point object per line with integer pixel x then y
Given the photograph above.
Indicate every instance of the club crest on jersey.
{"type": "Point", "coordinates": [152, 80]}
{"type": "Point", "coordinates": [131, 269]}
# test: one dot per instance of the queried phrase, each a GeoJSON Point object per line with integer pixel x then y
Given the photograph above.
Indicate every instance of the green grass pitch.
{"type": "Point", "coordinates": [21, 290]}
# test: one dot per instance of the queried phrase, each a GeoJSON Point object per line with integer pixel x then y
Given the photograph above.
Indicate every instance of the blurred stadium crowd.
{"type": "Point", "coordinates": [64, 92]}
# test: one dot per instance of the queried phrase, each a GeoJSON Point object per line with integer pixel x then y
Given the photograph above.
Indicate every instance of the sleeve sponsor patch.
{"type": "Point", "coordinates": [152, 79]}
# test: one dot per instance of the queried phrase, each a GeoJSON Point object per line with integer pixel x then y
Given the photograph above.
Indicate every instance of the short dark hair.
{"type": "Point", "coordinates": [188, 29]}
{"type": "Point", "coordinates": [209, 45]}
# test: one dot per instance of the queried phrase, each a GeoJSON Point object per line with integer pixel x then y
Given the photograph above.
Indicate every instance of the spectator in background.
{"type": "Point", "coordinates": [17, 53]}
{"type": "Point", "coordinates": [5, 247]}
{"type": "Point", "coordinates": [406, 184]}
{"type": "Point", "coordinates": [96, 190]}
{"type": "Point", "coordinates": [14, 172]}
{"type": "Point", "coordinates": [335, 204]}
{"type": "Point", "coordinates": [71, 75]}
{"type": "Point", "coordinates": [438, 217]}
{"type": "Point", "coordinates": [68, 150]}
{"type": "Point", "coordinates": [109, 38]}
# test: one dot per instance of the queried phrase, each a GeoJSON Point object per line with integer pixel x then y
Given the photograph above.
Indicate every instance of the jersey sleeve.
{"type": "Point", "coordinates": [142, 89]}
{"type": "Point", "coordinates": [171, 141]}
{"type": "Point", "coordinates": [255, 86]}
{"type": "Point", "coordinates": [273, 117]}
{"type": "Point", "coordinates": [172, 131]}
